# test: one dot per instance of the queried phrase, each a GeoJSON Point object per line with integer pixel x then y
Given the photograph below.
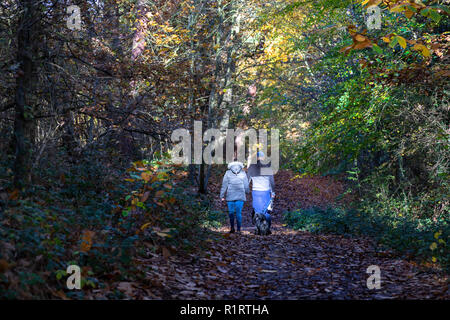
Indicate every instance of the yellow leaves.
{"type": "Point", "coordinates": [408, 8]}
{"type": "Point", "coordinates": [401, 41]}
{"type": "Point", "coordinates": [398, 8]}
{"type": "Point", "coordinates": [436, 236]}
{"type": "Point", "coordinates": [393, 39]}
{"type": "Point", "coordinates": [434, 259]}
{"type": "Point", "coordinates": [422, 49]}
{"type": "Point", "coordinates": [162, 176]}
{"type": "Point", "coordinates": [145, 225]}
{"type": "Point", "coordinates": [370, 3]}
{"type": "Point", "coordinates": [163, 234]}
{"type": "Point", "coordinates": [433, 246]}
{"type": "Point", "coordinates": [408, 13]}
{"type": "Point", "coordinates": [86, 240]}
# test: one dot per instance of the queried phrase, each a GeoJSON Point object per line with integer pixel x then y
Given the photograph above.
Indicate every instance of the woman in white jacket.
{"type": "Point", "coordinates": [235, 185]}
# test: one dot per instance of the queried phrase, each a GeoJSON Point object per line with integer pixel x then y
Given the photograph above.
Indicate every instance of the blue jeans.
{"type": "Point", "coordinates": [261, 200]}
{"type": "Point", "coordinates": [235, 207]}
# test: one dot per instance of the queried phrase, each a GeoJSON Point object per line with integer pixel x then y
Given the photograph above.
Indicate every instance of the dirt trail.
{"type": "Point", "coordinates": [289, 264]}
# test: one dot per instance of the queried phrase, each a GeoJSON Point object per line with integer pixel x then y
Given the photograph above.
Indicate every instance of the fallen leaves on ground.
{"type": "Point", "coordinates": [287, 264]}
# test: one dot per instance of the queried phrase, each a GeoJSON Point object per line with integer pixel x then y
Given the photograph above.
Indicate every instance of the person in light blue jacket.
{"type": "Point", "coordinates": [263, 188]}
{"type": "Point", "coordinates": [235, 186]}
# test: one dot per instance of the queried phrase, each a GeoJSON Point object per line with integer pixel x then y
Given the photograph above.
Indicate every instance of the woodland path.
{"type": "Point", "coordinates": [287, 264]}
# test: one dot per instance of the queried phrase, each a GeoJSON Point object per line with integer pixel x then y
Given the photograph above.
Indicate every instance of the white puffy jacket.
{"type": "Point", "coordinates": [235, 183]}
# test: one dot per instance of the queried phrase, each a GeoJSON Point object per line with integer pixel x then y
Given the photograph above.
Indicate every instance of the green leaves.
{"type": "Point", "coordinates": [431, 13]}
{"type": "Point", "coordinates": [377, 49]}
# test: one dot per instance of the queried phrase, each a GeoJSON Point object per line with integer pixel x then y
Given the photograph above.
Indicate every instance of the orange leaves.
{"type": "Point", "coordinates": [4, 265]}
{"type": "Point", "coordinates": [146, 176]}
{"type": "Point", "coordinates": [362, 44]}
{"type": "Point", "coordinates": [86, 240]}
{"type": "Point", "coordinates": [159, 193]}
{"type": "Point", "coordinates": [408, 8]}
{"type": "Point", "coordinates": [14, 195]}
{"type": "Point", "coordinates": [360, 40]}
{"type": "Point", "coordinates": [346, 49]}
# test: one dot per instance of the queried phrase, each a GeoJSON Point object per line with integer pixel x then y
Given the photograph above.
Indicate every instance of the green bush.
{"type": "Point", "coordinates": [42, 230]}
{"type": "Point", "coordinates": [424, 239]}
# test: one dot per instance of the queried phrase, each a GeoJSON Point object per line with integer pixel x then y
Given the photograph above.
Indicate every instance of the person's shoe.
{"type": "Point", "coordinates": [232, 230]}
{"type": "Point", "coordinates": [270, 232]}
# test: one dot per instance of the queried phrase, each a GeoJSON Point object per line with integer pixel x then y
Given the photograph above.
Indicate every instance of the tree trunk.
{"type": "Point", "coordinates": [24, 124]}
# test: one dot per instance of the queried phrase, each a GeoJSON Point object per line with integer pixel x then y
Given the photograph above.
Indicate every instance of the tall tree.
{"type": "Point", "coordinates": [28, 39]}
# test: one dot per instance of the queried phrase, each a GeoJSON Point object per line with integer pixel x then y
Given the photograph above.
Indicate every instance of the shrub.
{"type": "Point", "coordinates": [419, 238]}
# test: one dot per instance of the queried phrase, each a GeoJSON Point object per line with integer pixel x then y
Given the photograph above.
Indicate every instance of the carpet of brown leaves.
{"type": "Point", "coordinates": [287, 264]}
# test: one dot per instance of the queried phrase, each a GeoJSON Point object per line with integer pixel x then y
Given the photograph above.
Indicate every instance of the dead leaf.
{"type": "Point", "coordinates": [165, 252]}
{"type": "Point", "coordinates": [4, 265]}
{"type": "Point", "coordinates": [86, 240]}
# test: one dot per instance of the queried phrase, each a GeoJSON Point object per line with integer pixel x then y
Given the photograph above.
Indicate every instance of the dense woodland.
{"type": "Point", "coordinates": [86, 117]}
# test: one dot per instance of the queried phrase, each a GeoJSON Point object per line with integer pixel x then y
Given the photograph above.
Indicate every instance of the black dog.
{"type": "Point", "coordinates": [261, 223]}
